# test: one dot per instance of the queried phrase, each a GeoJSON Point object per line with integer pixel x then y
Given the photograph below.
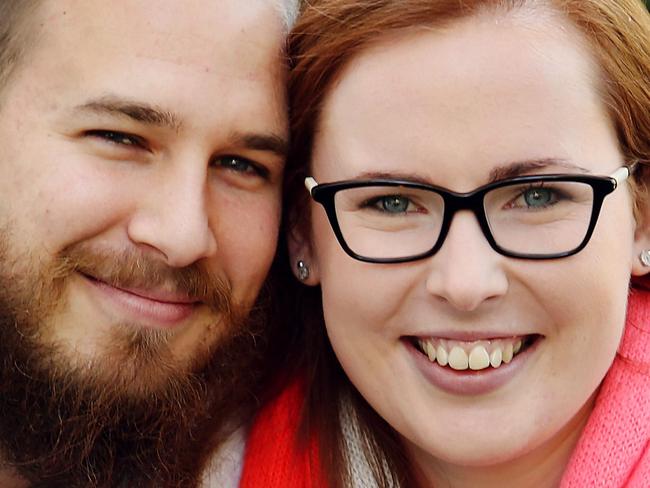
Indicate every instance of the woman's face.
{"type": "Point", "coordinates": [455, 107]}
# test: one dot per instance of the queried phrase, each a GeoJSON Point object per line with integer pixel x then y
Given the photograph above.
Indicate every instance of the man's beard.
{"type": "Point", "coordinates": [66, 423]}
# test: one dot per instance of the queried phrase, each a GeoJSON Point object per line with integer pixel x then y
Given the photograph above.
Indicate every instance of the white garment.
{"type": "Point", "coordinates": [359, 469]}
{"type": "Point", "coordinates": [225, 468]}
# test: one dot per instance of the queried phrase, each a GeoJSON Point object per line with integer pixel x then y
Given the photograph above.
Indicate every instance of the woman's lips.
{"type": "Point", "coordinates": [471, 368]}
{"type": "Point", "coordinates": [146, 307]}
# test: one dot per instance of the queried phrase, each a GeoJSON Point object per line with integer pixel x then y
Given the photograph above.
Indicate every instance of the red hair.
{"type": "Point", "coordinates": [328, 35]}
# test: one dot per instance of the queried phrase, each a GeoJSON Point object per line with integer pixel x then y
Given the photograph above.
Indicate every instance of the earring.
{"type": "Point", "coordinates": [303, 270]}
{"type": "Point", "coordinates": [645, 258]}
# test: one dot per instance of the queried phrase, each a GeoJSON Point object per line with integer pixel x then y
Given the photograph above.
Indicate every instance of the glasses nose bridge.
{"type": "Point", "coordinates": [472, 201]}
{"type": "Point", "coordinates": [456, 202]}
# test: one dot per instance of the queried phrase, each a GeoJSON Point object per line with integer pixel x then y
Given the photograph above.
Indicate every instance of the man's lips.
{"type": "Point", "coordinates": [154, 308]}
{"type": "Point", "coordinates": [156, 295]}
{"type": "Point", "coordinates": [160, 296]}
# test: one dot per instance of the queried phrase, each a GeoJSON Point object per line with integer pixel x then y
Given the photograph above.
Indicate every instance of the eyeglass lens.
{"type": "Point", "coordinates": [388, 222]}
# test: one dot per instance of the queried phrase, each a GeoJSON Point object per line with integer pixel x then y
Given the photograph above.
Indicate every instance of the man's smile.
{"type": "Point", "coordinates": [155, 307]}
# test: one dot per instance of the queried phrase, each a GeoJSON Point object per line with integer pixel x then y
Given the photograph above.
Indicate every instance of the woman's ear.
{"type": "Point", "coordinates": [641, 258]}
{"type": "Point", "coordinates": [303, 261]}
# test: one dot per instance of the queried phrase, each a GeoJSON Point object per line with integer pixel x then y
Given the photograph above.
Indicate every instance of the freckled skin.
{"type": "Point", "coordinates": [415, 104]}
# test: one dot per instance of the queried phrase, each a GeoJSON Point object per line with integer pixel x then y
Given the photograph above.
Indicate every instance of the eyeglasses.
{"type": "Point", "coordinates": [528, 217]}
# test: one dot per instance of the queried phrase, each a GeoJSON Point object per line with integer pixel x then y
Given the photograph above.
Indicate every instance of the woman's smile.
{"type": "Point", "coordinates": [471, 368]}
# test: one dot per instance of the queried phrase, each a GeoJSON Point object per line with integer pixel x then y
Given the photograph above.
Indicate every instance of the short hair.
{"type": "Point", "coordinates": [288, 11]}
{"type": "Point", "coordinates": [16, 31]}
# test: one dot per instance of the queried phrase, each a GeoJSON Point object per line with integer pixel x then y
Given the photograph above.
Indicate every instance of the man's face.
{"type": "Point", "coordinates": [141, 161]}
{"type": "Point", "coordinates": [141, 168]}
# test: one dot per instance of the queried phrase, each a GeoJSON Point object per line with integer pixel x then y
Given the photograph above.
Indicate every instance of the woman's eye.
{"type": "Point", "coordinates": [538, 197]}
{"type": "Point", "coordinates": [240, 165]}
{"type": "Point", "coordinates": [390, 204]}
{"type": "Point", "coordinates": [118, 138]}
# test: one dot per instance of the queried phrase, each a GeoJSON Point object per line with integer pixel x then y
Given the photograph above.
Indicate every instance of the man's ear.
{"type": "Point", "coordinates": [303, 260]}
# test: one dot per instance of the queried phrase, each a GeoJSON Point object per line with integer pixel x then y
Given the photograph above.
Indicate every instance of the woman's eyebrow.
{"type": "Point", "coordinates": [509, 170]}
{"type": "Point", "coordinates": [393, 175]}
{"type": "Point", "coordinates": [519, 168]}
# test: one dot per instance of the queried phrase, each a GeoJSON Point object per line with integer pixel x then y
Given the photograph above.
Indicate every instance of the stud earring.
{"type": "Point", "coordinates": [644, 257]}
{"type": "Point", "coordinates": [303, 269]}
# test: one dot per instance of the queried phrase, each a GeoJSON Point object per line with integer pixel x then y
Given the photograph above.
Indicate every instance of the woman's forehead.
{"type": "Point", "coordinates": [478, 90]}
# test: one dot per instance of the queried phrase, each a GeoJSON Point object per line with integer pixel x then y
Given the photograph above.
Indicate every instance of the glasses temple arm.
{"type": "Point", "coordinates": [622, 174]}
{"type": "Point", "coordinates": [310, 184]}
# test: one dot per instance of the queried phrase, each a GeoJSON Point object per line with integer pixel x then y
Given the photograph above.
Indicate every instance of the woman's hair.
{"type": "Point", "coordinates": [327, 36]}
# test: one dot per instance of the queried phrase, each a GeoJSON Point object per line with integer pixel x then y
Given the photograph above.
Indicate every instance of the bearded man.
{"type": "Point", "coordinates": [142, 145]}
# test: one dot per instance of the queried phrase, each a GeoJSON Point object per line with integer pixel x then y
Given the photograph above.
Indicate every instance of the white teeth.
{"type": "Point", "coordinates": [458, 359]}
{"type": "Point", "coordinates": [496, 357]}
{"type": "Point", "coordinates": [475, 355]}
{"type": "Point", "coordinates": [508, 352]}
{"type": "Point", "coordinates": [431, 351]}
{"type": "Point", "coordinates": [479, 358]}
{"type": "Point", "coordinates": [441, 356]}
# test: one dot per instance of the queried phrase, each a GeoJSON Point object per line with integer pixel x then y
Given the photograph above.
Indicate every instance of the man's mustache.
{"type": "Point", "coordinates": [135, 269]}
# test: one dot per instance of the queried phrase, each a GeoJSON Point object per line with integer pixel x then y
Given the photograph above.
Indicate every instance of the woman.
{"type": "Point", "coordinates": [478, 173]}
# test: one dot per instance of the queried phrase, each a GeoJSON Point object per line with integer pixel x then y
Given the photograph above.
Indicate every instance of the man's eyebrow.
{"type": "Point", "coordinates": [520, 168]}
{"type": "Point", "coordinates": [273, 143]}
{"type": "Point", "coordinates": [141, 112]}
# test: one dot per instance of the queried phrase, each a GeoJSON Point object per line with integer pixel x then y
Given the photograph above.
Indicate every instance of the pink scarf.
{"type": "Point", "coordinates": [614, 449]}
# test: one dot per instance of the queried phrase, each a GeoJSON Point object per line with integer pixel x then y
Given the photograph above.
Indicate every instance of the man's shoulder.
{"type": "Point", "coordinates": [225, 467]}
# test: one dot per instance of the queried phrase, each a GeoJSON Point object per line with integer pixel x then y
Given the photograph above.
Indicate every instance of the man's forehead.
{"type": "Point", "coordinates": [207, 62]}
{"type": "Point", "coordinates": [173, 31]}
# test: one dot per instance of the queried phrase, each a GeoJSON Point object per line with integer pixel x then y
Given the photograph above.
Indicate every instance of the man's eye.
{"type": "Point", "coordinates": [240, 165]}
{"type": "Point", "coordinates": [118, 138]}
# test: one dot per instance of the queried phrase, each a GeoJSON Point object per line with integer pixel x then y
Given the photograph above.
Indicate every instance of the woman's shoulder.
{"type": "Point", "coordinates": [635, 345]}
{"type": "Point", "coordinates": [278, 453]}
{"type": "Point", "coordinates": [265, 452]}
{"type": "Point", "coordinates": [614, 449]}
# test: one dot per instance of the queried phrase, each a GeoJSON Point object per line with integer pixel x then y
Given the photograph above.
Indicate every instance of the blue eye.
{"type": "Point", "coordinates": [395, 204]}
{"type": "Point", "coordinates": [392, 204]}
{"type": "Point", "coordinates": [240, 165]}
{"type": "Point", "coordinates": [538, 197]}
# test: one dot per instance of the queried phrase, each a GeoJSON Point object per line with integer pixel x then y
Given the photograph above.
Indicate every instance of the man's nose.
{"type": "Point", "coordinates": [172, 217]}
{"type": "Point", "coordinates": [466, 272]}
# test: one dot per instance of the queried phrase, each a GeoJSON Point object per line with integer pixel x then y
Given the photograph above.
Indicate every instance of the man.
{"type": "Point", "coordinates": [141, 152]}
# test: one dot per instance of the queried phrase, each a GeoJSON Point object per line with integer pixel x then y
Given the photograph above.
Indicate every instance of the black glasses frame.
{"type": "Point", "coordinates": [453, 202]}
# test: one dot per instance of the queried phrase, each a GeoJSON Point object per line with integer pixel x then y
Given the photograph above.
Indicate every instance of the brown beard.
{"type": "Point", "coordinates": [80, 425]}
